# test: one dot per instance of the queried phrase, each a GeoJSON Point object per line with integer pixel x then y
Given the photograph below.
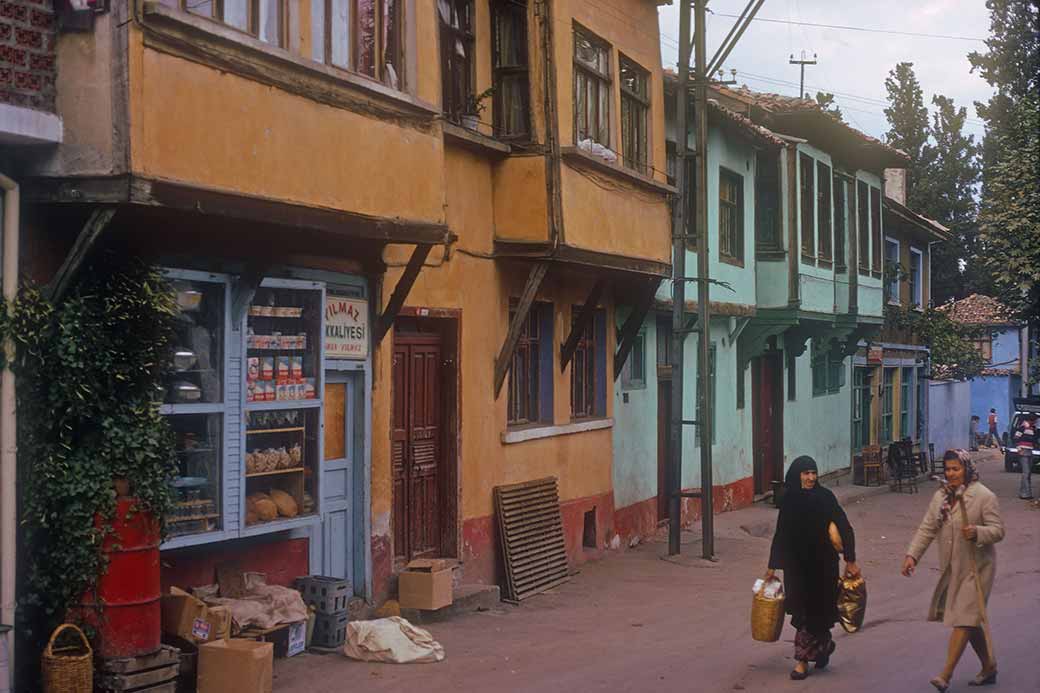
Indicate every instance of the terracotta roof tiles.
{"type": "Point", "coordinates": [977, 309]}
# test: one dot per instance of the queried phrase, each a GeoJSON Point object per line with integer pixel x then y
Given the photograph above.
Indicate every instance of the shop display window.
{"type": "Point", "coordinates": [283, 344]}
{"type": "Point", "coordinates": [198, 354]}
{"type": "Point", "coordinates": [281, 464]}
{"type": "Point", "coordinates": [197, 505]}
{"type": "Point", "coordinates": [194, 402]}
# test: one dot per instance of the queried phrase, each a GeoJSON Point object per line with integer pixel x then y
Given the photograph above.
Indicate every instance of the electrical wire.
{"type": "Point", "coordinates": [871, 30]}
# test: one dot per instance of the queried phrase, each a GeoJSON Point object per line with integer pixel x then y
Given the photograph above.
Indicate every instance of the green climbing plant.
{"type": "Point", "coordinates": [90, 369]}
{"type": "Point", "coordinates": [953, 352]}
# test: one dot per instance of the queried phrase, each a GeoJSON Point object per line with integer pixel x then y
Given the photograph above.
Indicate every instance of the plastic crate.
{"type": "Point", "coordinates": [330, 630]}
{"type": "Point", "coordinates": [327, 595]}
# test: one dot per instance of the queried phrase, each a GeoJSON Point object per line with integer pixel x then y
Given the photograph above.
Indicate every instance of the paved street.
{"type": "Point", "coordinates": [634, 622]}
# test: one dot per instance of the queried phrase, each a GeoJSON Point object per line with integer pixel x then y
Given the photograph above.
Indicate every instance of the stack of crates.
{"type": "Point", "coordinates": [329, 598]}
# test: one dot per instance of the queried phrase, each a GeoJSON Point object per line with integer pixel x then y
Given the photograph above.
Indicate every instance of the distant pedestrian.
{"type": "Point", "coordinates": [802, 548]}
{"type": "Point", "coordinates": [1026, 441]}
{"type": "Point", "coordinates": [967, 559]}
{"type": "Point", "coordinates": [993, 438]}
{"type": "Point", "coordinates": [973, 433]}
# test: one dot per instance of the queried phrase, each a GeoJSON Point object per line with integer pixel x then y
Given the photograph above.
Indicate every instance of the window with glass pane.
{"type": "Point", "coordinates": [893, 270]}
{"type": "Point", "coordinates": [364, 36]}
{"type": "Point", "coordinates": [633, 375]}
{"type": "Point", "coordinates": [823, 209]}
{"type": "Point", "coordinates": [808, 198]}
{"type": "Point", "coordinates": [583, 372]}
{"type": "Point", "coordinates": [840, 222]}
{"type": "Point", "coordinates": [731, 215]}
{"type": "Point", "coordinates": [875, 221]}
{"type": "Point", "coordinates": [905, 382]}
{"type": "Point", "coordinates": [635, 105]}
{"type": "Point", "coordinates": [281, 464]}
{"type": "Point", "coordinates": [863, 224]}
{"type": "Point", "coordinates": [197, 483]}
{"type": "Point", "coordinates": [860, 408]}
{"type": "Point", "coordinates": [457, 42]}
{"type": "Point", "coordinates": [887, 405]}
{"type": "Point", "coordinates": [264, 19]}
{"type": "Point", "coordinates": [592, 88]}
{"type": "Point", "coordinates": [525, 372]}
{"type": "Point", "coordinates": [818, 360]}
{"type": "Point", "coordinates": [510, 64]}
{"type": "Point", "coordinates": [916, 269]}
{"type": "Point", "coordinates": [691, 200]}
{"type": "Point", "coordinates": [767, 201]}
{"type": "Point", "coordinates": [197, 383]}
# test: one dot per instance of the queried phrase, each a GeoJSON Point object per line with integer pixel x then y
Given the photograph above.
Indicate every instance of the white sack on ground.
{"type": "Point", "coordinates": [391, 640]}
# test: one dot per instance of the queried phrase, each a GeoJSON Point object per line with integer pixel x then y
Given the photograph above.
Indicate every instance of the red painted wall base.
{"type": "Point", "coordinates": [283, 560]}
{"type": "Point", "coordinates": [640, 519]}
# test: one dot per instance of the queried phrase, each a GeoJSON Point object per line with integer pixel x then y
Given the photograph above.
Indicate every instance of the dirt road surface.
{"type": "Point", "coordinates": [635, 622]}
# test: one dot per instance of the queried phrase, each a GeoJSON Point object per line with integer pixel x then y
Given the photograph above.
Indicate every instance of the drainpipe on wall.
{"type": "Point", "coordinates": [8, 442]}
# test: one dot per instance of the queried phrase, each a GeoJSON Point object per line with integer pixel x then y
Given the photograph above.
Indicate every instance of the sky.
{"type": "Point", "coordinates": [851, 64]}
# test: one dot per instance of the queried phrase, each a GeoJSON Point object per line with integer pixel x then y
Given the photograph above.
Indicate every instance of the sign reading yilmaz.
{"type": "Point", "coordinates": [346, 327]}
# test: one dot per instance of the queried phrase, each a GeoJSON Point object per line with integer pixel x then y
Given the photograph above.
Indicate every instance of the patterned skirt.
{"type": "Point", "coordinates": [809, 647]}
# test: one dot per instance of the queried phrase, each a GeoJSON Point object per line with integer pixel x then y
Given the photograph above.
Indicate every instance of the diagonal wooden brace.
{"type": "Point", "coordinates": [588, 311]}
{"type": "Point", "coordinates": [632, 324]}
{"type": "Point", "coordinates": [400, 295]}
{"type": "Point", "coordinates": [505, 354]}
{"type": "Point", "coordinates": [96, 224]}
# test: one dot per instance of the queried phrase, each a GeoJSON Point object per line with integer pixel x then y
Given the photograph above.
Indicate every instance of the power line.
{"type": "Point", "coordinates": [858, 28]}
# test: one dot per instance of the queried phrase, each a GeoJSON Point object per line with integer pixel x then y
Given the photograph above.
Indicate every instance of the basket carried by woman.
{"type": "Point", "coordinates": [68, 669]}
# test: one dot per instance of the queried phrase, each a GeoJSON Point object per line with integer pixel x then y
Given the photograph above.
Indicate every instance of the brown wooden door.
{"type": "Point", "coordinates": [664, 418]}
{"type": "Point", "coordinates": [416, 446]}
{"type": "Point", "coordinates": [768, 424]}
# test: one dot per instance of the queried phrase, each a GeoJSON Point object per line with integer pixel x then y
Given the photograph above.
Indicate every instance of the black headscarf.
{"type": "Point", "coordinates": [802, 548]}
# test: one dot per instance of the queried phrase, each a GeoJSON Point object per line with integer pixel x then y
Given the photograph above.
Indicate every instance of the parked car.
{"type": "Point", "coordinates": [1025, 406]}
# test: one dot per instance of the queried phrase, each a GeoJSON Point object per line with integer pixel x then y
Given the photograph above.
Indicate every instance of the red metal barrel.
{"type": "Point", "coordinates": [130, 621]}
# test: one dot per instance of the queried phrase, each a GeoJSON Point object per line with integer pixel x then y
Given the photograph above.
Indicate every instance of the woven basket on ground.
{"type": "Point", "coordinates": [767, 617]}
{"type": "Point", "coordinates": [68, 669]}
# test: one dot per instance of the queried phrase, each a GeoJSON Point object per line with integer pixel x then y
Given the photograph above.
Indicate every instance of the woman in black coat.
{"type": "Point", "coordinates": [803, 550]}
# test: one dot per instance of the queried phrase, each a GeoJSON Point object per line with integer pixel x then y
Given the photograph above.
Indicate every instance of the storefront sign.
{"type": "Point", "coordinates": [875, 356]}
{"type": "Point", "coordinates": [346, 328]}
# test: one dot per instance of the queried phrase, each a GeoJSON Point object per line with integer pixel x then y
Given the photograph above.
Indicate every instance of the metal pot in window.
{"type": "Point", "coordinates": [183, 359]}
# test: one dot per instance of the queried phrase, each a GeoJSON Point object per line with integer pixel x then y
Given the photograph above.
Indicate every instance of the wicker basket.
{"type": "Point", "coordinates": [767, 617]}
{"type": "Point", "coordinates": [68, 669]}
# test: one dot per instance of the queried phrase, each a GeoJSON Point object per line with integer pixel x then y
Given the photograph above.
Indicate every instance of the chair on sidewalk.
{"type": "Point", "coordinates": [936, 464]}
{"type": "Point", "coordinates": [901, 469]}
{"type": "Point", "coordinates": [872, 463]}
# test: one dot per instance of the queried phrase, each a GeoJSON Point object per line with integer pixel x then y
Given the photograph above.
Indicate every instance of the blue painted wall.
{"type": "Point", "coordinates": [949, 413]}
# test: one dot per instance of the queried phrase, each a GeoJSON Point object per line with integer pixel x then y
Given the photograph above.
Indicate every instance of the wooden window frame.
{"type": "Point", "coordinates": [905, 394]}
{"type": "Point", "coordinates": [605, 86]}
{"type": "Point", "coordinates": [841, 219]}
{"type": "Point", "coordinates": [767, 226]}
{"type": "Point", "coordinates": [505, 10]}
{"type": "Point", "coordinates": [824, 210]}
{"type": "Point", "coordinates": [875, 228]}
{"type": "Point", "coordinates": [807, 204]}
{"type": "Point", "coordinates": [380, 38]}
{"type": "Point", "coordinates": [886, 431]}
{"type": "Point", "coordinates": [535, 407]}
{"type": "Point", "coordinates": [635, 107]}
{"type": "Point", "coordinates": [863, 225]}
{"type": "Point", "coordinates": [893, 284]}
{"type": "Point", "coordinates": [861, 406]}
{"type": "Point", "coordinates": [633, 376]}
{"type": "Point", "coordinates": [916, 285]}
{"type": "Point", "coordinates": [589, 357]}
{"type": "Point", "coordinates": [731, 252]}
{"type": "Point", "coordinates": [218, 14]}
{"type": "Point", "coordinates": [691, 201]}
{"type": "Point", "coordinates": [455, 105]}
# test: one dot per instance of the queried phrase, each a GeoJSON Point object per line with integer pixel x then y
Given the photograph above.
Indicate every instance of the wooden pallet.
{"type": "Point", "coordinates": [531, 531]}
{"type": "Point", "coordinates": [155, 673]}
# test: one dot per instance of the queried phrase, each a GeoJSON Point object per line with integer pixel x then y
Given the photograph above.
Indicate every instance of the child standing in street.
{"type": "Point", "coordinates": [994, 441]}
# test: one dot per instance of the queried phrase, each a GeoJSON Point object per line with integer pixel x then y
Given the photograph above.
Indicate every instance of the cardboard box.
{"type": "Point", "coordinates": [426, 583]}
{"type": "Point", "coordinates": [187, 617]}
{"type": "Point", "coordinates": [236, 666]}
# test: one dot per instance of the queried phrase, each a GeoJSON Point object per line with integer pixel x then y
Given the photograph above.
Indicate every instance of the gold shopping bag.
{"type": "Point", "coordinates": [852, 602]}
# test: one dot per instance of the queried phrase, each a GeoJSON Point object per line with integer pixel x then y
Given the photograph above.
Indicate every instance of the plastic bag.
{"type": "Point", "coordinates": [852, 602]}
{"type": "Point", "coordinates": [774, 589]}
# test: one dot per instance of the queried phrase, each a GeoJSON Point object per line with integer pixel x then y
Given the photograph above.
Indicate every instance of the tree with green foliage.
{"type": "Point", "coordinates": [1009, 244]}
{"type": "Point", "coordinates": [953, 352]}
{"type": "Point", "coordinates": [908, 126]}
{"type": "Point", "coordinates": [825, 100]}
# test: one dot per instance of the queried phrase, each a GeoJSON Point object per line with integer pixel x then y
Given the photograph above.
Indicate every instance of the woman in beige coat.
{"type": "Point", "coordinates": [955, 601]}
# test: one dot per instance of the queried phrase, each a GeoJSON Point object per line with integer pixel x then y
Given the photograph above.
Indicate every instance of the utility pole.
{"type": "Point", "coordinates": [679, 224]}
{"type": "Point", "coordinates": [802, 63]}
{"type": "Point", "coordinates": [704, 411]}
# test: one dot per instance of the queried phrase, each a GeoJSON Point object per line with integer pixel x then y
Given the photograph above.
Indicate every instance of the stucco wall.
{"type": "Point", "coordinates": [817, 426]}
{"type": "Point", "coordinates": [949, 412]}
{"type": "Point", "coordinates": [635, 427]}
{"type": "Point", "coordinates": [1007, 345]}
{"type": "Point", "coordinates": [992, 391]}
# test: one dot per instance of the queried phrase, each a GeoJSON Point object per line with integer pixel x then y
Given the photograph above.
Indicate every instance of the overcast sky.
{"type": "Point", "coordinates": [852, 64]}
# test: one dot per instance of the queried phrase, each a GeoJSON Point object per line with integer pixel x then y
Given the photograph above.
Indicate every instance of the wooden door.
{"type": "Point", "coordinates": [341, 466]}
{"type": "Point", "coordinates": [664, 419]}
{"type": "Point", "coordinates": [768, 420]}
{"type": "Point", "coordinates": [416, 446]}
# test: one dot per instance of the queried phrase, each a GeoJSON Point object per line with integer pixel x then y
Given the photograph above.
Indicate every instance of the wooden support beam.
{"type": "Point", "coordinates": [96, 224]}
{"type": "Point", "coordinates": [588, 310]}
{"type": "Point", "coordinates": [244, 290]}
{"type": "Point", "coordinates": [400, 295]}
{"type": "Point", "coordinates": [505, 354]}
{"type": "Point", "coordinates": [632, 324]}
